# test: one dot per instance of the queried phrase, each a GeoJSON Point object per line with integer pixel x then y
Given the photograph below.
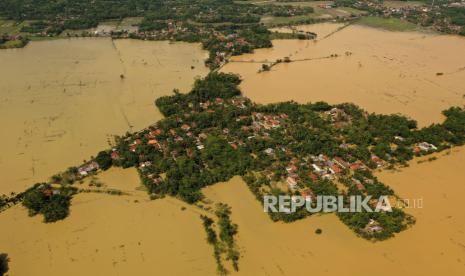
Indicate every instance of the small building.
{"type": "Point", "coordinates": [185, 127]}
{"type": "Point", "coordinates": [335, 169]}
{"type": "Point", "coordinates": [291, 169]}
{"type": "Point", "coordinates": [358, 184]}
{"type": "Point", "coordinates": [115, 155]}
{"type": "Point", "coordinates": [269, 151]}
{"type": "Point", "coordinates": [87, 168]}
{"type": "Point", "coordinates": [377, 160]}
{"type": "Point", "coordinates": [317, 169]}
{"type": "Point", "coordinates": [292, 182]}
{"type": "Point", "coordinates": [373, 227]}
{"type": "Point", "coordinates": [424, 146]}
{"type": "Point", "coordinates": [307, 194]}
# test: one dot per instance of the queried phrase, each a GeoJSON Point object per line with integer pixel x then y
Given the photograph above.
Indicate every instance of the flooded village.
{"type": "Point", "coordinates": [75, 94]}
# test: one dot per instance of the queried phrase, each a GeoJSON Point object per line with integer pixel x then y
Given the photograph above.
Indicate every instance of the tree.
{"type": "Point", "coordinates": [34, 201]}
{"type": "Point", "coordinates": [4, 264]}
{"type": "Point", "coordinates": [104, 160]}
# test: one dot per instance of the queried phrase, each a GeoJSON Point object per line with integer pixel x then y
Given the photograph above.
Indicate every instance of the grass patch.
{"type": "Point", "coordinates": [390, 24]}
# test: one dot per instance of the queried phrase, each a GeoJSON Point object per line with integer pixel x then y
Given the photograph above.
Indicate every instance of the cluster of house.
{"type": "Point", "coordinates": [423, 13]}
{"type": "Point", "coordinates": [172, 28]}
{"type": "Point", "coordinates": [262, 121]}
{"type": "Point", "coordinates": [237, 101]}
{"type": "Point", "coordinates": [336, 114]}
{"type": "Point", "coordinates": [233, 40]}
{"type": "Point", "coordinates": [338, 117]}
{"type": "Point", "coordinates": [388, 11]}
{"type": "Point", "coordinates": [325, 167]}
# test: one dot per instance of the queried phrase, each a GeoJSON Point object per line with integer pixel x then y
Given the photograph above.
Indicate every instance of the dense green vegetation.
{"type": "Point", "coordinates": [225, 244]}
{"type": "Point", "coordinates": [227, 232]}
{"type": "Point", "coordinates": [104, 160]}
{"type": "Point", "coordinates": [3, 264]}
{"type": "Point", "coordinates": [8, 42]}
{"type": "Point", "coordinates": [212, 239]}
{"type": "Point", "coordinates": [223, 27]}
{"type": "Point", "coordinates": [52, 203]}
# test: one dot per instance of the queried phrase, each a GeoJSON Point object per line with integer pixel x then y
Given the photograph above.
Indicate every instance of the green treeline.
{"type": "Point", "coordinates": [224, 242]}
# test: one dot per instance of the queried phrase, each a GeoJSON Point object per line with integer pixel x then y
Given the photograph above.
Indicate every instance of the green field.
{"type": "Point", "coordinates": [390, 24]}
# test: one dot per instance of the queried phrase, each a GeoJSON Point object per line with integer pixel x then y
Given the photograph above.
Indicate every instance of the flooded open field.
{"type": "Point", "coordinates": [117, 235]}
{"type": "Point", "coordinates": [416, 74]}
{"type": "Point", "coordinates": [109, 235]}
{"type": "Point", "coordinates": [61, 101]}
{"type": "Point", "coordinates": [436, 244]}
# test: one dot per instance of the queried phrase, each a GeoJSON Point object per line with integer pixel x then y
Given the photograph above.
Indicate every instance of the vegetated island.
{"type": "Point", "coordinates": [213, 133]}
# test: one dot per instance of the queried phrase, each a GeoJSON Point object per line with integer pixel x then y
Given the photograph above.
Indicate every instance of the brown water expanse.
{"type": "Point", "coordinates": [385, 72]}
{"type": "Point", "coordinates": [61, 101]}
{"type": "Point", "coordinates": [109, 235]}
{"type": "Point", "coordinates": [75, 87]}
{"type": "Point", "coordinates": [435, 245]}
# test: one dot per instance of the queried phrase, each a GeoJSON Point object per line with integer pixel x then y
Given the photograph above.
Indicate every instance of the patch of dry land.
{"type": "Point", "coordinates": [416, 74]}
{"type": "Point", "coordinates": [62, 101]}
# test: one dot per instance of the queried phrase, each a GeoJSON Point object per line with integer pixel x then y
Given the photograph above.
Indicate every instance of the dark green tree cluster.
{"type": "Point", "coordinates": [227, 232]}
{"type": "Point", "coordinates": [212, 239]}
{"type": "Point", "coordinates": [104, 160]}
{"type": "Point", "coordinates": [53, 204]}
{"type": "Point", "coordinates": [4, 264]}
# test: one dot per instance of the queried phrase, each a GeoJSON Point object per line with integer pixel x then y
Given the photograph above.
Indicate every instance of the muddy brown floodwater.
{"type": "Point", "coordinates": [61, 101]}
{"type": "Point", "coordinates": [56, 98]}
{"type": "Point", "coordinates": [435, 245]}
{"type": "Point", "coordinates": [384, 72]}
{"type": "Point", "coordinates": [109, 235]}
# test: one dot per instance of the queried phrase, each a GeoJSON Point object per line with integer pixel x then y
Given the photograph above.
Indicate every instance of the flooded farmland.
{"type": "Point", "coordinates": [70, 95]}
{"type": "Point", "coordinates": [110, 235]}
{"type": "Point", "coordinates": [269, 248]}
{"type": "Point", "coordinates": [61, 101]}
{"type": "Point", "coordinates": [412, 73]}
